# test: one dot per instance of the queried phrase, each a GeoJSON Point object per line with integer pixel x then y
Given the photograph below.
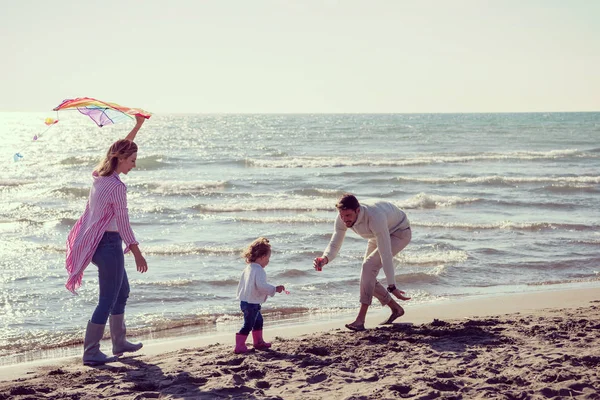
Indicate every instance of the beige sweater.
{"type": "Point", "coordinates": [377, 221]}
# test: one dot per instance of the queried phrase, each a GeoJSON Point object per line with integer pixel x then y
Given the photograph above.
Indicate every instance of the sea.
{"type": "Point", "coordinates": [499, 204]}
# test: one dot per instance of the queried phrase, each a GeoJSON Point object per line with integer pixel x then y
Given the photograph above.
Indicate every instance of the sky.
{"type": "Point", "coordinates": [276, 56]}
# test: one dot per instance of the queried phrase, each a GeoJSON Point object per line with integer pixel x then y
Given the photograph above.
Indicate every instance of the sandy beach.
{"type": "Point", "coordinates": [539, 345]}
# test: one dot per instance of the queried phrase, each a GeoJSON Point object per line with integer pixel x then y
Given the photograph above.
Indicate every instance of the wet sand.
{"type": "Point", "coordinates": [549, 349]}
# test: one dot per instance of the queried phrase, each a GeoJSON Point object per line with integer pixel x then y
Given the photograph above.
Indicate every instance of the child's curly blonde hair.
{"type": "Point", "coordinates": [260, 247]}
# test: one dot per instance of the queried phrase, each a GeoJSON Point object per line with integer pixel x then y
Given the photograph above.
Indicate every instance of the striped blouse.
{"type": "Point", "coordinates": [108, 200]}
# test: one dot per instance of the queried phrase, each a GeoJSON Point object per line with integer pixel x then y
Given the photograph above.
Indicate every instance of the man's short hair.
{"type": "Point", "coordinates": [347, 202]}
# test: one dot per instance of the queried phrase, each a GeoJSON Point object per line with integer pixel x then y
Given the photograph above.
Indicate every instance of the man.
{"type": "Point", "coordinates": [388, 230]}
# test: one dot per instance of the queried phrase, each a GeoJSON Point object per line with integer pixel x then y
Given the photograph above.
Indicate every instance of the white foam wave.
{"type": "Point", "coordinates": [299, 219]}
{"type": "Point", "coordinates": [71, 192]}
{"type": "Point", "coordinates": [434, 258]}
{"type": "Point", "coordinates": [301, 203]}
{"type": "Point", "coordinates": [81, 160]}
{"type": "Point", "coordinates": [566, 281]}
{"type": "Point", "coordinates": [332, 162]}
{"type": "Point", "coordinates": [13, 182]}
{"type": "Point", "coordinates": [331, 193]}
{"type": "Point", "coordinates": [428, 201]}
{"type": "Point", "coordinates": [172, 283]}
{"type": "Point", "coordinates": [508, 225]}
{"type": "Point", "coordinates": [152, 162]}
{"type": "Point", "coordinates": [189, 248]}
{"type": "Point", "coordinates": [185, 187]}
{"type": "Point", "coordinates": [272, 204]}
{"type": "Point", "coordinates": [591, 241]}
{"type": "Point", "coordinates": [506, 180]}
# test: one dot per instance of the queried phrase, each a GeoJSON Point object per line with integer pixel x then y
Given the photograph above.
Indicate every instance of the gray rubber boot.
{"type": "Point", "coordinates": [91, 346]}
{"type": "Point", "coordinates": [117, 334]}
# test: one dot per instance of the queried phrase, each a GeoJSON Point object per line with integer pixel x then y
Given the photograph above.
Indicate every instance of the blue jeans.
{"type": "Point", "coordinates": [253, 320]}
{"type": "Point", "coordinates": [114, 285]}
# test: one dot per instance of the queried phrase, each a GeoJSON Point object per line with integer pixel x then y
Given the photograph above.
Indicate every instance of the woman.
{"type": "Point", "coordinates": [97, 237]}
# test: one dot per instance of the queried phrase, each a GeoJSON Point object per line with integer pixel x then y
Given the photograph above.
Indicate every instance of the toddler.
{"type": "Point", "coordinates": [252, 291]}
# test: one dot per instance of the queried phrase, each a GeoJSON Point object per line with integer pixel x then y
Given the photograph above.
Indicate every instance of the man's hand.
{"type": "Point", "coordinates": [279, 288]}
{"type": "Point", "coordinates": [319, 262]}
{"type": "Point", "coordinates": [400, 294]}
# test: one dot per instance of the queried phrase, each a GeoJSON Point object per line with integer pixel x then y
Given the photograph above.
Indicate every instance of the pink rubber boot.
{"type": "Point", "coordinates": [240, 344]}
{"type": "Point", "coordinates": [259, 343]}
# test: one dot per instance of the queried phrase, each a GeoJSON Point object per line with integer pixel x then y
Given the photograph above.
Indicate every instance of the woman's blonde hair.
{"type": "Point", "coordinates": [260, 247]}
{"type": "Point", "coordinates": [120, 149]}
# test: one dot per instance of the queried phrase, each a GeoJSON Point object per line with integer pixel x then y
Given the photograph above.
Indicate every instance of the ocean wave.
{"type": "Point", "coordinates": [299, 219]}
{"type": "Point", "coordinates": [328, 193]}
{"type": "Point", "coordinates": [572, 264]}
{"type": "Point", "coordinates": [153, 208]}
{"type": "Point", "coordinates": [565, 281]}
{"type": "Point", "coordinates": [429, 201]}
{"type": "Point", "coordinates": [181, 282]}
{"type": "Point", "coordinates": [419, 201]}
{"type": "Point", "coordinates": [71, 192]}
{"type": "Point", "coordinates": [172, 283]}
{"type": "Point", "coordinates": [418, 278]}
{"type": "Point", "coordinates": [430, 277]}
{"type": "Point", "coordinates": [40, 340]}
{"type": "Point", "coordinates": [151, 163]}
{"type": "Point", "coordinates": [154, 323]}
{"type": "Point", "coordinates": [492, 252]}
{"type": "Point", "coordinates": [175, 188]}
{"type": "Point", "coordinates": [433, 258]}
{"type": "Point", "coordinates": [569, 188]}
{"type": "Point", "coordinates": [221, 283]}
{"type": "Point", "coordinates": [293, 273]}
{"type": "Point", "coordinates": [30, 222]}
{"type": "Point", "coordinates": [263, 206]}
{"type": "Point", "coordinates": [586, 241]}
{"type": "Point", "coordinates": [508, 225]}
{"type": "Point", "coordinates": [68, 221]}
{"type": "Point", "coordinates": [553, 205]}
{"type": "Point", "coordinates": [497, 180]}
{"type": "Point", "coordinates": [48, 248]}
{"type": "Point", "coordinates": [16, 344]}
{"type": "Point", "coordinates": [80, 160]}
{"type": "Point", "coordinates": [188, 249]}
{"type": "Point", "coordinates": [13, 182]}
{"type": "Point", "coordinates": [427, 159]}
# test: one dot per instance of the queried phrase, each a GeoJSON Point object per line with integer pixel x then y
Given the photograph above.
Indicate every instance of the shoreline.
{"type": "Point", "coordinates": [208, 334]}
{"type": "Point", "coordinates": [526, 303]}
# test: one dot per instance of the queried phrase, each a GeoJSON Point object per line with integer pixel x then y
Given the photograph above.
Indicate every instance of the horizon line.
{"type": "Point", "coordinates": [335, 113]}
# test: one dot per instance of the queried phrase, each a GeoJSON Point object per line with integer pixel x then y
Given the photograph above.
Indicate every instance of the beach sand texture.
{"type": "Point", "coordinates": [540, 353]}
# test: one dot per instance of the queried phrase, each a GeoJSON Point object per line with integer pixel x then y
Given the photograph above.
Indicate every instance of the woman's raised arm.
{"type": "Point", "coordinates": [139, 120]}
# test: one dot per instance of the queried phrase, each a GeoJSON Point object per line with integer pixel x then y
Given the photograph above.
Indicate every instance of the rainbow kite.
{"type": "Point", "coordinates": [101, 112]}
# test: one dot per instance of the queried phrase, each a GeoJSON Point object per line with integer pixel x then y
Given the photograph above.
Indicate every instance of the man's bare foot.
{"type": "Point", "coordinates": [355, 327]}
{"type": "Point", "coordinates": [397, 313]}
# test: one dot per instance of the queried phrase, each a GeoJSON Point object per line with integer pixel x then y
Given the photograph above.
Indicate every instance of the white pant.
{"type": "Point", "coordinates": [369, 286]}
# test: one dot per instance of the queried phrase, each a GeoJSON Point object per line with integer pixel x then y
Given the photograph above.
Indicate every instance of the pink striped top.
{"type": "Point", "coordinates": [108, 200]}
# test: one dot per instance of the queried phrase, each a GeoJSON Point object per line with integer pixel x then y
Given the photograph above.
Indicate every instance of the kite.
{"type": "Point", "coordinates": [101, 112]}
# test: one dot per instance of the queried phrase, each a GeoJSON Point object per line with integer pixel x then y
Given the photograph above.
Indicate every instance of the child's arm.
{"type": "Point", "coordinates": [262, 285]}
